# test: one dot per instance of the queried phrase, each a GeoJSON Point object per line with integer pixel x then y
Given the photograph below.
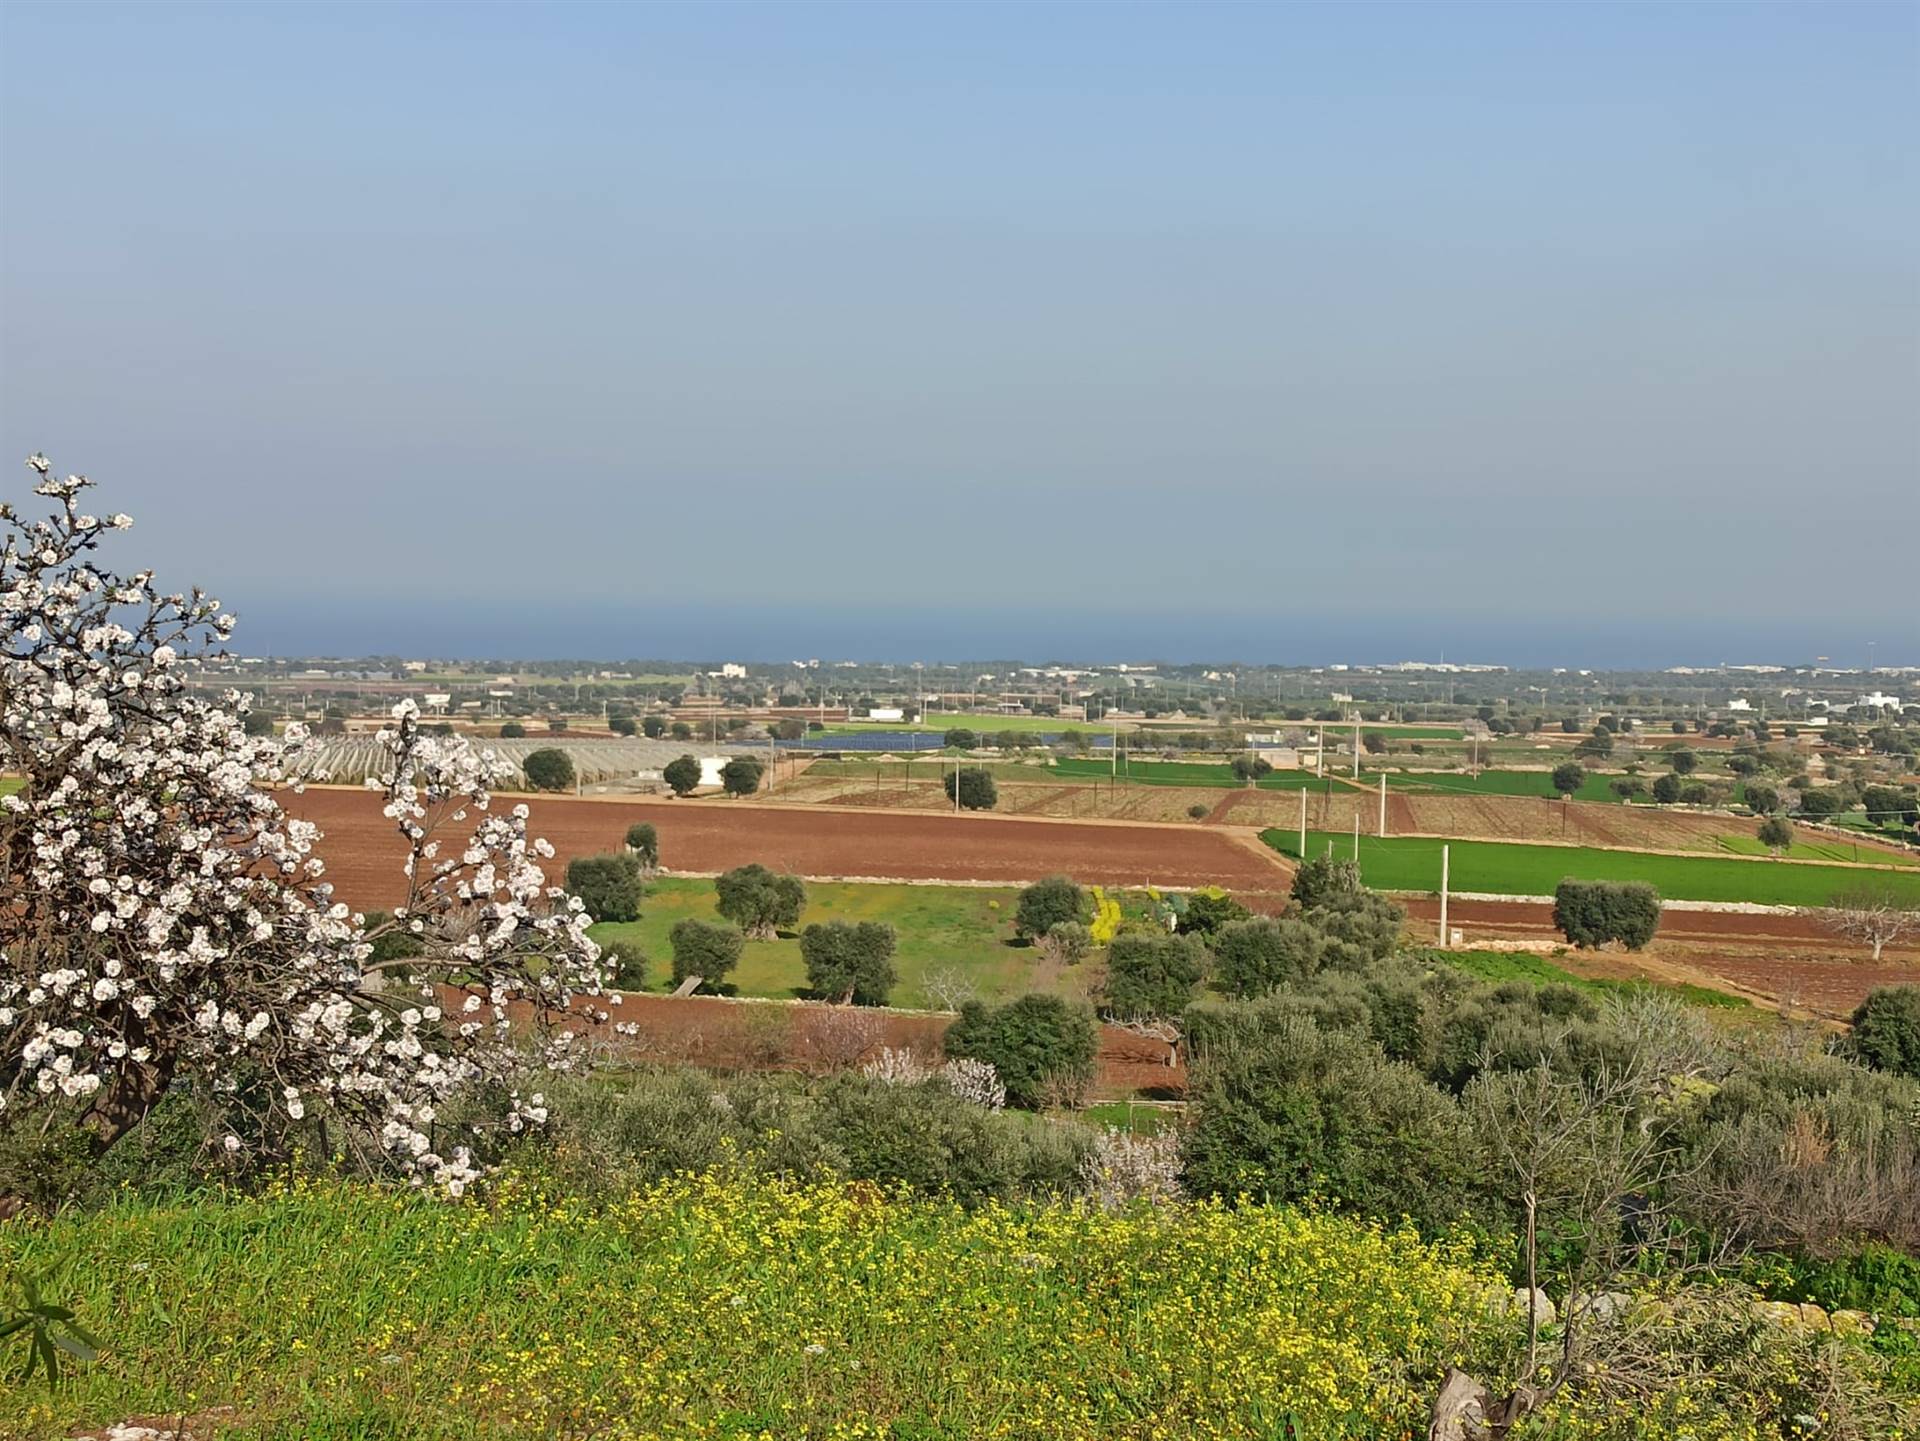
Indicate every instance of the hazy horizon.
{"type": "Point", "coordinates": [1581, 334]}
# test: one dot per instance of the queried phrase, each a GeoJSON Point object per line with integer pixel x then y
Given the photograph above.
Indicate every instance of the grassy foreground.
{"type": "Point", "coordinates": [1409, 863]}
{"type": "Point", "coordinates": [715, 1307]}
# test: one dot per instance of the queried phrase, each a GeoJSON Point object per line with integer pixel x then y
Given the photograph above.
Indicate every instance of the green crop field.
{"type": "Point", "coordinates": [1208, 774]}
{"type": "Point", "coordinates": [1539, 971]}
{"type": "Point", "coordinates": [1826, 848]}
{"type": "Point", "coordinates": [966, 929]}
{"type": "Point", "coordinates": [1397, 733]}
{"type": "Point", "coordinates": [1504, 783]}
{"type": "Point", "coordinates": [1406, 863]}
{"type": "Point", "coordinates": [10, 784]}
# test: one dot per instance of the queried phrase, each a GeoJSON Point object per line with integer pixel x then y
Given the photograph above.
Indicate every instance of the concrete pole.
{"type": "Point", "coordinates": [1356, 831]}
{"type": "Point", "coordinates": [1320, 754]}
{"type": "Point", "coordinates": [1356, 750]}
{"type": "Point", "coordinates": [1383, 805]}
{"type": "Point", "coordinates": [1303, 823]}
{"type": "Point", "coordinates": [1445, 851]}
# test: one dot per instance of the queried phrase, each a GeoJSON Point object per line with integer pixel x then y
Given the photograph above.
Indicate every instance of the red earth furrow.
{"type": "Point", "coordinates": [363, 852]}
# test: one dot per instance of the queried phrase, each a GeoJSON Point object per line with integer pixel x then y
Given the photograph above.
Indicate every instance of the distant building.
{"type": "Point", "coordinates": [887, 713]}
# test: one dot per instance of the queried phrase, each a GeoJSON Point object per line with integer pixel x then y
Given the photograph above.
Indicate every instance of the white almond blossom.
{"type": "Point", "coordinates": [162, 919]}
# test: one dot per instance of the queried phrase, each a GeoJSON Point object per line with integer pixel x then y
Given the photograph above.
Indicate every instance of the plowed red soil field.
{"type": "Point", "coordinates": [363, 852]}
{"type": "Point", "coordinates": [727, 1035]}
{"type": "Point", "coordinates": [1789, 959]}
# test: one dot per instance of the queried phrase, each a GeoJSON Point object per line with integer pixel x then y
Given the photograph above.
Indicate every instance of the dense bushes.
{"type": "Point", "coordinates": [1205, 913]}
{"type": "Point", "coordinates": [1886, 1030]}
{"type": "Point", "coordinates": [609, 886]}
{"type": "Point", "coordinates": [1151, 973]}
{"type": "Point", "coordinates": [1322, 879]}
{"type": "Point", "coordinates": [758, 901]}
{"type": "Point", "coordinates": [1256, 956]}
{"type": "Point", "coordinates": [1592, 913]}
{"type": "Point", "coordinates": [1324, 1116]}
{"type": "Point", "coordinates": [1048, 903]}
{"type": "Point", "coordinates": [706, 950]}
{"type": "Point", "coordinates": [655, 1125]}
{"type": "Point", "coordinates": [849, 960]}
{"type": "Point", "coordinates": [1042, 1047]}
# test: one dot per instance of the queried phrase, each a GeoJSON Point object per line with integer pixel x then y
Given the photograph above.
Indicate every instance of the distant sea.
{"type": "Point", "coordinates": [897, 633]}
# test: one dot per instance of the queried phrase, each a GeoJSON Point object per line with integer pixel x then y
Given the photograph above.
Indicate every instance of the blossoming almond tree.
{"type": "Point", "coordinates": [162, 919]}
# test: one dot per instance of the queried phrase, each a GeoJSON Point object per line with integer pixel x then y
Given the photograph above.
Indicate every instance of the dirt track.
{"type": "Point", "coordinates": [363, 853]}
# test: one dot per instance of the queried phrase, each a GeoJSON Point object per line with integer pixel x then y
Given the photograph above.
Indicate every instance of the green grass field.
{"type": "Point", "coordinates": [1504, 783]}
{"type": "Point", "coordinates": [964, 929]}
{"type": "Point", "coordinates": [1539, 971]}
{"type": "Point", "coordinates": [1825, 848]}
{"type": "Point", "coordinates": [10, 784]}
{"type": "Point", "coordinates": [1405, 863]}
{"type": "Point", "coordinates": [1214, 775]}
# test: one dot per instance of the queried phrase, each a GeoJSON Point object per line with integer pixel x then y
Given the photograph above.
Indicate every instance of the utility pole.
{"type": "Point", "coordinates": [1383, 805]}
{"type": "Point", "coordinates": [1444, 856]}
{"type": "Point", "coordinates": [1356, 833]}
{"type": "Point", "coordinates": [1303, 823]}
{"type": "Point", "coordinates": [1356, 749]}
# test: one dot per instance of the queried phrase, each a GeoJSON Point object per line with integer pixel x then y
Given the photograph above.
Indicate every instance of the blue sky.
{"type": "Point", "coordinates": [1527, 331]}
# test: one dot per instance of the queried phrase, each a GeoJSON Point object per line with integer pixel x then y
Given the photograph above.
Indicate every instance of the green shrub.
{"type": "Point", "coordinates": [1322, 879]}
{"type": "Point", "coordinates": [1305, 1115]}
{"type": "Point", "coordinates": [1357, 927]}
{"type": "Point", "coordinates": [512, 731]}
{"type": "Point", "coordinates": [1591, 913]}
{"type": "Point", "coordinates": [1152, 974]}
{"type": "Point", "coordinates": [391, 945]}
{"type": "Point", "coordinates": [682, 775]}
{"type": "Point", "coordinates": [1886, 1030]}
{"type": "Point", "coordinates": [608, 885]}
{"type": "Point", "coordinates": [758, 901]}
{"type": "Point", "coordinates": [740, 776]}
{"type": "Point", "coordinates": [706, 950]}
{"type": "Point", "coordinates": [975, 787]}
{"type": "Point", "coordinates": [1042, 1047]}
{"type": "Point", "coordinates": [644, 841]}
{"type": "Point", "coordinates": [626, 966]}
{"type": "Point", "coordinates": [1254, 957]}
{"type": "Point", "coordinates": [849, 959]}
{"type": "Point", "coordinates": [549, 770]}
{"type": "Point", "coordinates": [1206, 914]}
{"type": "Point", "coordinates": [622, 725]}
{"type": "Point", "coordinates": [1047, 903]}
